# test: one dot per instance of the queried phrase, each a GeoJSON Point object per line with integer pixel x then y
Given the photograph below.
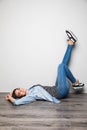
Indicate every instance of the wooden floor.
{"type": "Point", "coordinates": [71, 114]}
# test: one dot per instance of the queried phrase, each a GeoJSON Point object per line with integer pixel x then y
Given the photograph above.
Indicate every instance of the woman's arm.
{"type": "Point", "coordinates": [21, 101]}
{"type": "Point", "coordinates": [10, 98]}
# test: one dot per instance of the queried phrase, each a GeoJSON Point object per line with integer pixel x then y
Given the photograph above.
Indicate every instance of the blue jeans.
{"type": "Point", "coordinates": [64, 74]}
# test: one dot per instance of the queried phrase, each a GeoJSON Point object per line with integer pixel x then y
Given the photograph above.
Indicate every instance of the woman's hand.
{"type": "Point", "coordinates": [10, 98]}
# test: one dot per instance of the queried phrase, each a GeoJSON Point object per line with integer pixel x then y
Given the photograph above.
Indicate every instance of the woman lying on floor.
{"type": "Point", "coordinates": [21, 96]}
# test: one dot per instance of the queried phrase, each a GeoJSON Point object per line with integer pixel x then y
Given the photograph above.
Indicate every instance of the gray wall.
{"type": "Point", "coordinates": [33, 41]}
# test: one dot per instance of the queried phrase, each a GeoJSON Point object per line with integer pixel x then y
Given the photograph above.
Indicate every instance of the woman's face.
{"type": "Point", "coordinates": [20, 92]}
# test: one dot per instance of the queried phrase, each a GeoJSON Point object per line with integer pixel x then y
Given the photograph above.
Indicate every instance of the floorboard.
{"type": "Point", "coordinates": [70, 114]}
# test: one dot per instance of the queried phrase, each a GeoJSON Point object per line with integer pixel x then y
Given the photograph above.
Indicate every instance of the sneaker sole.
{"type": "Point", "coordinates": [77, 88]}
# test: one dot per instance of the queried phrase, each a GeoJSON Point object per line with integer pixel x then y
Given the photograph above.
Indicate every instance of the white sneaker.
{"type": "Point", "coordinates": [71, 36]}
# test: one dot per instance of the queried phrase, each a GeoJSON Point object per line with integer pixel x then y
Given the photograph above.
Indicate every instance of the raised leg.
{"type": "Point", "coordinates": [64, 73]}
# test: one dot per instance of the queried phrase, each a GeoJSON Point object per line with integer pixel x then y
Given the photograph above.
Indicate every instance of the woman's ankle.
{"type": "Point", "coordinates": [70, 42]}
{"type": "Point", "coordinates": [76, 82]}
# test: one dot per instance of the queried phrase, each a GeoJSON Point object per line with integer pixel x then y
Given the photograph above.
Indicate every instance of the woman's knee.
{"type": "Point", "coordinates": [62, 65]}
